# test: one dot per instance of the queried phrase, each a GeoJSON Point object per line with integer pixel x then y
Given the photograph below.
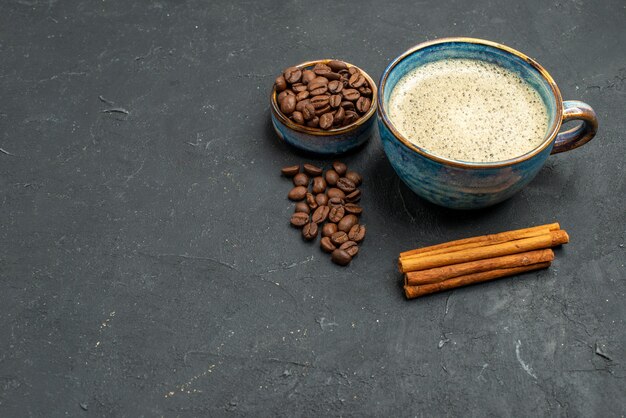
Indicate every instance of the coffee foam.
{"type": "Point", "coordinates": [468, 110]}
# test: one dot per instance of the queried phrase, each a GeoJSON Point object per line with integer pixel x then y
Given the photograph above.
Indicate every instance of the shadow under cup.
{"type": "Point", "coordinates": [463, 184]}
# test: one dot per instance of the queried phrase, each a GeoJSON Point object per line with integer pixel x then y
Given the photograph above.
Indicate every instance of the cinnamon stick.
{"type": "Point", "coordinates": [417, 262]}
{"type": "Point", "coordinates": [439, 274]}
{"type": "Point", "coordinates": [484, 239]}
{"type": "Point", "coordinates": [417, 291]}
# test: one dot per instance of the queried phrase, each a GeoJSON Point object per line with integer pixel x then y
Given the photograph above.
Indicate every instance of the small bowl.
{"type": "Point", "coordinates": [320, 141]}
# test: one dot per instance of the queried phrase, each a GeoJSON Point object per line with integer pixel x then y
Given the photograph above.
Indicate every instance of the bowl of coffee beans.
{"type": "Point", "coordinates": [324, 107]}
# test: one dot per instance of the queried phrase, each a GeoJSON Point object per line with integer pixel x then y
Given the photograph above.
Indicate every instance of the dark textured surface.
{"type": "Point", "coordinates": [146, 260]}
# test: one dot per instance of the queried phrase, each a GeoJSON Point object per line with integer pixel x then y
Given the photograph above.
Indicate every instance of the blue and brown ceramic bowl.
{"type": "Point", "coordinates": [470, 185]}
{"type": "Point", "coordinates": [319, 141]}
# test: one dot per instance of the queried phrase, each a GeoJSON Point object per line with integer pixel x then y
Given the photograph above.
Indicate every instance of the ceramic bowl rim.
{"type": "Point", "coordinates": [329, 132]}
{"type": "Point", "coordinates": [552, 131]}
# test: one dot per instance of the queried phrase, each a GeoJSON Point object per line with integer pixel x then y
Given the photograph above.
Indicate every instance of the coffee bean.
{"type": "Point", "coordinates": [333, 76]}
{"type": "Point", "coordinates": [326, 244]}
{"type": "Point", "coordinates": [301, 104]}
{"type": "Point", "coordinates": [340, 257]}
{"type": "Point", "coordinates": [308, 112]}
{"type": "Point", "coordinates": [302, 207]}
{"type": "Point", "coordinates": [356, 80]}
{"type": "Point", "coordinates": [319, 184]}
{"type": "Point", "coordinates": [298, 87]}
{"type": "Point", "coordinates": [292, 75]}
{"type": "Point", "coordinates": [309, 232]}
{"type": "Point", "coordinates": [297, 117]}
{"type": "Point", "coordinates": [336, 214]}
{"type": "Point", "coordinates": [340, 168]}
{"type": "Point", "coordinates": [365, 91]}
{"type": "Point", "coordinates": [353, 208]}
{"type": "Point", "coordinates": [346, 185]}
{"type": "Point", "coordinates": [290, 171]}
{"type": "Point", "coordinates": [337, 66]}
{"type": "Point", "coordinates": [334, 100]}
{"type": "Point", "coordinates": [351, 94]}
{"type": "Point", "coordinates": [355, 196]}
{"type": "Point", "coordinates": [328, 229]}
{"type": "Point", "coordinates": [317, 83]}
{"type": "Point", "coordinates": [288, 104]}
{"type": "Point", "coordinates": [353, 70]}
{"type": "Point", "coordinates": [313, 123]}
{"type": "Point", "coordinates": [322, 110]}
{"type": "Point", "coordinates": [321, 199]}
{"type": "Point", "coordinates": [280, 83]}
{"type": "Point", "coordinates": [301, 179]}
{"type": "Point", "coordinates": [307, 76]}
{"type": "Point", "coordinates": [339, 237]}
{"type": "Point", "coordinates": [319, 90]}
{"type": "Point", "coordinates": [326, 121]}
{"type": "Point", "coordinates": [284, 94]}
{"type": "Point", "coordinates": [320, 214]}
{"type": "Point", "coordinates": [299, 219]}
{"type": "Point", "coordinates": [297, 193]}
{"type": "Point", "coordinates": [310, 200]}
{"type": "Point", "coordinates": [334, 192]}
{"type": "Point", "coordinates": [355, 177]}
{"type": "Point", "coordinates": [331, 177]}
{"type": "Point", "coordinates": [350, 247]}
{"type": "Point", "coordinates": [335, 86]}
{"type": "Point", "coordinates": [321, 69]}
{"type": "Point", "coordinates": [319, 102]}
{"type": "Point", "coordinates": [363, 104]}
{"type": "Point", "coordinates": [351, 117]}
{"type": "Point", "coordinates": [347, 105]}
{"type": "Point", "coordinates": [339, 116]}
{"type": "Point", "coordinates": [312, 170]}
{"type": "Point", "coordinates": [302, 95]}
{"type": "Point", "coordinates": [335, 201]}
{"type": "Point", "coordinates": [357, 233]}
{"type": "Point", "coordinates": [347, 222]}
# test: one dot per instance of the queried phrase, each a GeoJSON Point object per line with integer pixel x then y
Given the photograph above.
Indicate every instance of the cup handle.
{"type": "Point", "coordinates": [575, 137]}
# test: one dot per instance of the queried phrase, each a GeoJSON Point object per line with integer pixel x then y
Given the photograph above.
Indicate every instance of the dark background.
{"type": "Point", "coordinates": [147, 264]}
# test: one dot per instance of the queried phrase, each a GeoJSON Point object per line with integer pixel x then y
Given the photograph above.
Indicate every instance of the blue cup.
{"type": "Point", "coordinates": [471, 185]}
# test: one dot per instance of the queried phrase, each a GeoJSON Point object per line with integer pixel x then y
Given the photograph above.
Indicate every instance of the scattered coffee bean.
{"type": "Point", "coordinates": [341, 257]}
{"type": "Point", "coordinates": [301, 179]}
{"type": "Point", "coordinates": [350, 247]}
{"type": "Point", "coordinates": [330, 89]}
{"type": "Point", "coordinates": [327, 245]}
{"type": "Point", "coordinates": [319, 184]}
{"type": "Point", "coordinates": [335, 201]}
{"type": "Point", "coordinates": [339, 237]}
{"type": "Point", "coordinates": [355, 196]}
{"type": "Point", "coordinates": [323, 210]}
{"type": "Point", "coordinates": [312, 170]}
{"type": "Point", "coordinates": [357, 233]}
{"type": "Point", "coordinates": [309, 231]}
{"type": "Point", "coordinates": [355, 177]}
{"type": "Point", "coordinates": [297, 193]}
{"type": "Point", "coordinates": [347, 222]}
{"type": "Point", "coordinates": [310, 200]}
{"type": "Point", "coordinates": [321, 199]}
{"type": "Point", "coordinates": [340, 168]}
{"type": "Point", "coordinates": [336, 214]}
{"type": "Point", "coordinates": [328, 229]}
{"type": "Point", "coordinates": [299, 219]}
{"type": "Point", "coordinates": [331, 176]}
{"type": "Point", "coordinates": [353, 208]}
{"type": "Point", "coordinates": [320, 214]}
{"type": "Point", "coordinates": [302, 207]}
{"type": "Point", "coordinates": [334, 192]}
{"type": "Point", "coordinates": [290, 171]}
{"type": "Point", "coordinates": [346, 185]}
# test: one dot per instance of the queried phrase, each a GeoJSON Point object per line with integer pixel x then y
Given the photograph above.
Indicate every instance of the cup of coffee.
{"type": "Point", "coordinates": [466, 123]}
